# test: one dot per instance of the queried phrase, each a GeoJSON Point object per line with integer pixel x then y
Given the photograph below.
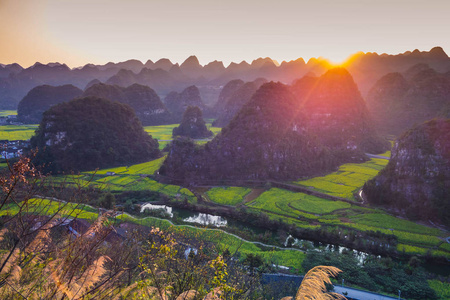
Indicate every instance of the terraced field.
{"type": "Point", "coordinates": [303, 210]}
{"type": "Point", "coordinates": [292, 204]}
{"type": "Point", "coordinates": [347, 180]}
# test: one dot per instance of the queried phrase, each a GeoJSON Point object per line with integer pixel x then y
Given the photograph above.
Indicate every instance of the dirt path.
{"type": "Point", "coordinates": [255, 193]}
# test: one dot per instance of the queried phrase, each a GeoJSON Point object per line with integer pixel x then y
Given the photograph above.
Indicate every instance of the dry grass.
{"type": "Point", "coordinates": [314, 283]}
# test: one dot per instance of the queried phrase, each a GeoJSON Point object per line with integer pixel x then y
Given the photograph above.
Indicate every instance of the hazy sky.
{"type": "Point", "coordinates": [80, 31]}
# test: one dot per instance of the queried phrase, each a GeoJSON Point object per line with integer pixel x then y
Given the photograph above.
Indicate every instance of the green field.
{"type": "Point", "coordinates": [5, 113]}
{"type": "Point", "coordinates": [293, 204]}
{"type": "Point", "coordinates": [302, 209]}
{"type": "Point", "coordinates": [231, 195]}
{"type": "Point", "coordinates": [299, 209]}
{"type": "Point", "coordinates": [127, 178]}
{"type": "Point", "coordinates": [147, 168]}
{"type": "Point", "coordinates": [383, 220]}
{"type": "Point", "coordinates": [17, 132]}
{"type": "Point", "coordinates": [163, 133]}
{"type": "Point", "coordinates": [347, 180]}
{"type": "Point", "coordinates": [49, 207]}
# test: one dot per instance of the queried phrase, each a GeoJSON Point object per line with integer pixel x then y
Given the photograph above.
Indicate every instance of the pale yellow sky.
{"type": "Point", "coordinates": [81, 31]}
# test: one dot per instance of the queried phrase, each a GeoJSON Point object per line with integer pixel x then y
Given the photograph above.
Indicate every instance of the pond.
{"type": "Point", "coordinates": [310, 245]}
{"type": "Point", "coordinates": [187, 215]}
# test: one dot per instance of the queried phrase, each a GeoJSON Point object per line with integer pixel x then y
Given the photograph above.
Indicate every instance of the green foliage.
{"type": "Point", "coordinates": [376, 274]}
{"type": "Point", "coordinates": [445, 246]}
{"type": "Point", "coordinates": [108, 201]}
{"type": "Point", "coordinates": [442, 289]}
{"type": "Point", "coordinates": [230, 195]}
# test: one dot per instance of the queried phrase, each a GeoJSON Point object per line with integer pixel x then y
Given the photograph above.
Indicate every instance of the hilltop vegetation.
{"type": "Point", "coordinates": [177, 103]}
{"type": "Point", "coordinates": [41, 98]}
{"type": "Point", "coordinates": [89, 133]}
{"type": "Point", "coordinates": [146, 104]}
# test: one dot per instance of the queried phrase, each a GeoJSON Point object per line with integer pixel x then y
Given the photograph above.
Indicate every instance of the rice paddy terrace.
{"type": "Point", "coordinates": [342, 208]}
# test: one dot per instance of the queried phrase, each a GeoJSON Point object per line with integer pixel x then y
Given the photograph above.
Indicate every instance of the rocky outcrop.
{"type": "Point", "coordinates": [192, 125]}
{"type": "Point", "coordinates": [41, 98]}
{"type": "Point", "coordinates": [416, 180]}
{"type": "Point", "coordinates": [177, 103]}
{"type": "Point", "coordinates": [145, 102]}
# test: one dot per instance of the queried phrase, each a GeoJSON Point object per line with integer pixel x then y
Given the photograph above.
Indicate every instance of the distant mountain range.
{"type": "Point", "coordinates": [399, 100]}
{"type": "Point", "coordinates": [163, 76]}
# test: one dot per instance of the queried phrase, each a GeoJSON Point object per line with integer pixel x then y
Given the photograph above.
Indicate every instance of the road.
{"type": "Point", "coordinates": [360, 295]}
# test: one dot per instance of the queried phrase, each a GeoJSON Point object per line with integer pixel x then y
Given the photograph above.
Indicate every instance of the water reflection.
{"type": "Point", "coordinates": [316, 246]}
{"type": "Point", "coordinates": [165, 208]}
{"type": "Point", "coordinates": [206, 219]}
